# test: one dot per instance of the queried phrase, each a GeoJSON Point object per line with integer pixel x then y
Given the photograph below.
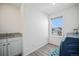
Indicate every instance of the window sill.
{"type": "Point", "coordinates": [56, 36]}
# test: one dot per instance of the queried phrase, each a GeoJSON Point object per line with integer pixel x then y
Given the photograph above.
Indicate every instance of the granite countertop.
{"type": "Point", "coordinates": [10, 35]}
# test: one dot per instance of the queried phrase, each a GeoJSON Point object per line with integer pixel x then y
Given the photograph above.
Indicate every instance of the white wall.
{"type": "Point", "coordinates": [78, 15]}
{"type": "Point", "coordinates": [35, 30]}
{"type": "Point", "coordinates": [70, 22]}
{"type": "Point", "coordinates": [10, 20]}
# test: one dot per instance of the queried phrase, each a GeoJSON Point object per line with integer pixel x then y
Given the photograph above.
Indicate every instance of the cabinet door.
{"type": "Point", "coordinates": [4, 42]}
{"type": "Point", "coordinates": [1, 49]}
{"type": "Point", "coordinates": [5, 49]}
{"type": "Point", "coordinates": [14, 47]}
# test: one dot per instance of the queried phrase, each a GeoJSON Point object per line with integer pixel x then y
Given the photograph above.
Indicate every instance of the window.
{"type": "Point", "coordinates": [57, 24]}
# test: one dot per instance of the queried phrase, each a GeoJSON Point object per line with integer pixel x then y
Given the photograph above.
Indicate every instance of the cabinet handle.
{"type": "Point", "coordinates": [3, 44]}
{"type": "Point", "coordinates": [8, 44]}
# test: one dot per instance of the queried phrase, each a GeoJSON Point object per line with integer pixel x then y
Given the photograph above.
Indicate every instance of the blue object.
{"type": "Point", "coordinates": [54, 52]}
{"type": "Point", "coordinates": [70, 46]}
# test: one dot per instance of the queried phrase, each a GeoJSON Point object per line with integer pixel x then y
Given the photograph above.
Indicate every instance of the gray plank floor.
{"type": "Point", "coordinates": [43, 51]}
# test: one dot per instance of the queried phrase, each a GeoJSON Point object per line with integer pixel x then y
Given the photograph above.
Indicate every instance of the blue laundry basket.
{"type": "Point", "coordinates": [54, 52]}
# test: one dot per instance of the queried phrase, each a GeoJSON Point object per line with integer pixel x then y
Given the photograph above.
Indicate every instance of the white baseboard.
{"type": "Point", "coordinates": [34, 50]}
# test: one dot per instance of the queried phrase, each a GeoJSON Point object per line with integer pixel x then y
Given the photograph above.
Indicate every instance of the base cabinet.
{"type": "Point", "coordinates": [5, 49]}
{"type": "Point", "coordinates": [11, 47]}
{"type": "Point", "coordinates": [14, 47]}
{"type": "Point", "coordinates": [1, 49]}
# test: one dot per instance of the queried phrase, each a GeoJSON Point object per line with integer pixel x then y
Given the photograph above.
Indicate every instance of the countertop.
{"type": "Point", "coordinates": [10, 35]}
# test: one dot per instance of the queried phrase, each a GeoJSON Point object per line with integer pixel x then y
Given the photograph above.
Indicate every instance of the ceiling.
{"type": "Point", "coordinates": [49, 8]}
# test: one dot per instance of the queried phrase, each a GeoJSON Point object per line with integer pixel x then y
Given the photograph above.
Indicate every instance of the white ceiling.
{"type": "Point", "coordinates": [49, 8]}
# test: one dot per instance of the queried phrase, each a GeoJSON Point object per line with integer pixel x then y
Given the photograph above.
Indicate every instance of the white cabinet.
{"type": "Point", "coordinates": [4, 42]}
{"type": "Point", "coordinates": [5, 49]}
{"type": "Point", "coordinates": [1, 49]}
{"type": "Point", "coordinates": [11, 46]}
{"type": "Point", "coordinates": [14, 46]}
